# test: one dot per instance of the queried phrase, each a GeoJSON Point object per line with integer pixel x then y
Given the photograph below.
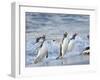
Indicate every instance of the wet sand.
{"type": "Point", "coordinates": [71, 60]}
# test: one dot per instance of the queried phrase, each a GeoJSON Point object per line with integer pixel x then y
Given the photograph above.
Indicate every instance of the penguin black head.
{"type": "Point", "coordinates": [54, 40]}
{"type": "Point", "coordinates": [37, 39]}
{"type": "Point", "coordinates": [43, 37]}
{"type": "Point", "coordinates": [65, 34]}
{"type": "Point", "coordinates": [74, 35]}
{"type": "Point", "coordinates": [40, 38]}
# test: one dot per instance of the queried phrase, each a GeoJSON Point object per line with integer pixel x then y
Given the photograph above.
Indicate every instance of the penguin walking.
{"type": "Point", "coordinates": [42, 52]}
{"type": "Point", "coordinates": [38, 39]}
{"type": "Point", "coordinates": [71, 42]}
{"type": "Point", "coordinates": [67, 45]}
{"type": "Point", "coordinates": [63, 45]}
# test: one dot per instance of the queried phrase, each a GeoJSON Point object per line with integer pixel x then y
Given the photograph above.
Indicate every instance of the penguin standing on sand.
{"type": "Point", "coordinates": [67, 45]}
{"type": "Point", "coordinates": [42, 52]}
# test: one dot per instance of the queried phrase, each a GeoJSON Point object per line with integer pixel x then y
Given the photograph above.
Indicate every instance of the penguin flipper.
{"type": "Point", "coordinates": [47, 55]}
{"type": "Point", "coordinates": [60, 52]}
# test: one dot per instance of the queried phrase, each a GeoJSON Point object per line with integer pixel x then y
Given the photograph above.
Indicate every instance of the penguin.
{"type": "Point", "coordinates": [67, 45]}
{"type": "Point", "coordinates": [87, 49]}
{"type": "Point", "coordinates": [42, 51]}
{"type": "Point", "coordinates": [63, 45]}
{"type": "Point", "coordinates": [71, 42]}
{"type": "Point", "coordinates": [38, 39]}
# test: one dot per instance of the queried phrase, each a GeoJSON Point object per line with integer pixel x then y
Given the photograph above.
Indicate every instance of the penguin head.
{"type": "Point", "coordinates": [40, 39]}
{"type": "Point", "coordinates": [65, 34]}
{"type": "Point", "coordinates": [43, 37]}
{"type": "Point", "coordinates": [54, 40]}
{"type": "Point", "coordinates": [74, 35]}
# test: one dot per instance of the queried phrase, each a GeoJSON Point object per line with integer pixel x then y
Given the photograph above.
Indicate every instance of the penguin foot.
{"type": "Point", "coordinates": [59, 57]}
{"type": "Point", "coordinates": [35, 61]}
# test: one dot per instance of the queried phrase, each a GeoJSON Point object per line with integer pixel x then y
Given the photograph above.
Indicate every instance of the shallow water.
{"type": "Point", "coordinates": [72, 57]}
{"type": "Point", "coordinates": [72, 60]}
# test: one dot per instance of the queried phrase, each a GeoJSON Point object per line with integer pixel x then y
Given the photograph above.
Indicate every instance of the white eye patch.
{"type": "Point", "coordinates": [41, 40]}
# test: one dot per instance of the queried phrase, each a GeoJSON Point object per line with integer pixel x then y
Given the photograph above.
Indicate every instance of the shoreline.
{"type": "Point", "coordinates": [73, 60]}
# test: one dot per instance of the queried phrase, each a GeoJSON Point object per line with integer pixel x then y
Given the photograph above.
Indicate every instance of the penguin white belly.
{"type": "Point", "coordinates": [86, 52]}
{"type": "Point", "coordinates": [64, 46]}
{"type": "Point", "coordinates": [42, 53]}
{"type": "Point", "coordinates": [71, 45]}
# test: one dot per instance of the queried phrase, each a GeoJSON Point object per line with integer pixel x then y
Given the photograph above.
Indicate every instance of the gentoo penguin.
{"type": "Point", "coordinates": [38, 39]}
{"type": "Point", "coordinates": [87, 49]}
{"type": "Point", "coordinates": [42, 52]}
{"type": "Point", "coordinates": [63, 45]}
{"type": "Point", "coordinates": [67, 44]}
{"type": "Point", "coordinates": [71, 42]}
